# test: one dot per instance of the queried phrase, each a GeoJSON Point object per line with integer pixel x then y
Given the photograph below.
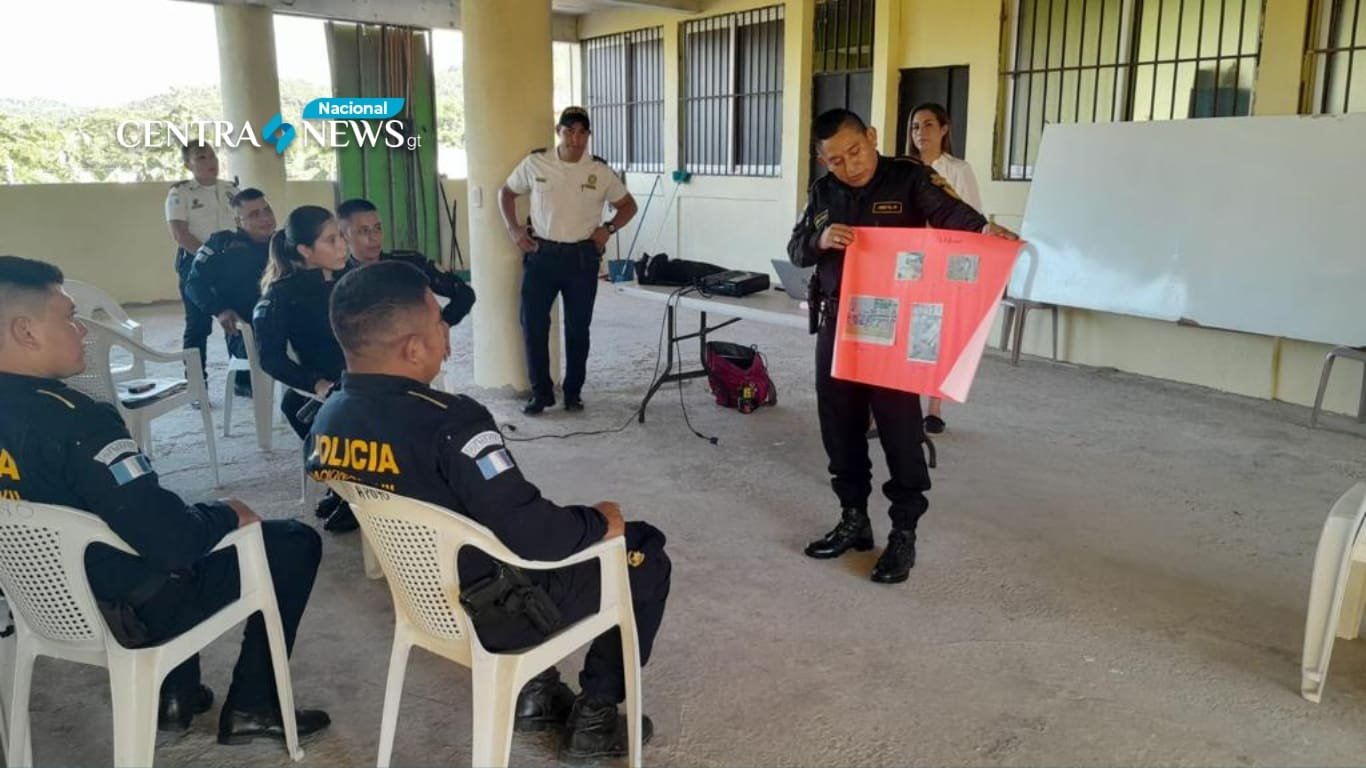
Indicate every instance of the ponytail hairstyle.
{"type": "Point", "coordinates": [302, 227]}
{"type": "Point", "coordinates": [941, 116]}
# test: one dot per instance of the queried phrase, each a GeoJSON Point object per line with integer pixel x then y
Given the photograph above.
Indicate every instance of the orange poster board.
{"type": "Point", "coordinates": [916, 306]}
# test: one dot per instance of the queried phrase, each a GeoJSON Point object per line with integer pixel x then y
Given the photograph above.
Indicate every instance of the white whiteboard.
{"type": "Point", "coordinates": [1252, 224]}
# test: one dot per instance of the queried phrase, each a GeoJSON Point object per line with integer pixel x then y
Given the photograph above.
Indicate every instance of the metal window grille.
{"type": "Point", "coordinates": [843, 35]}
{"type": "Point", "coordinates": [1088, 61]}
{"type": "Point", "coordinates": [624, 94]}
{"type": "Point", "coordinates": [732, 94]}
{"type": "Point", "coordinates": [1338, 55]}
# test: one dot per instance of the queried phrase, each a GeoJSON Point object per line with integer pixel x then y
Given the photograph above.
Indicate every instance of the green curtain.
{"type": "Point", "coordinates": [372, 60]}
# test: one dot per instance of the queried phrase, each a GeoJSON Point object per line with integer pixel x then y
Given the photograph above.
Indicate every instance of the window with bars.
{"type": "Point", "coordinates": [732, 94]}
{"type": "Point", "coordinates": [1089, 61]}
{"type": "Point", "coordinates": [843, 36]}
{"type": "Point", "coordinates": [1338, 55]}
{"type": "Point", "coordinates": [624, 93]}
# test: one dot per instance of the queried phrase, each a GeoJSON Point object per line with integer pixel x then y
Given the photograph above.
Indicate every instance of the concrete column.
{"type": "Point", "coordinates": [1277, 87]}
{"type": "Point", "coordinates": [799, 20]}
{"type": "Point", "coordinates": [508, 112]}
{"type": "Point", "coordinates": [250, 86]}
{"type": "Point", "coordinates": [886, 76]}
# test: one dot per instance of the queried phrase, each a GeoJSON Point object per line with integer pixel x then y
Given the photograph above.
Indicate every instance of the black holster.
{"type": "Point", "coordinates": [508, 595]}
{"type": "Point", "coordinates": [121, 616]}
{"type": "Point", "coordinates": [813, 302]}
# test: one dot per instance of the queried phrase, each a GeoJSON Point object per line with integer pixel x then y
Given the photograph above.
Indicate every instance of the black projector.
{"type": "Point", "coordinates": [734, 282]}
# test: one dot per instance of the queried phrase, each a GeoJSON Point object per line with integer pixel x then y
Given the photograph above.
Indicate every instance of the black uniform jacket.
{"type": "Point", "coordinates": [443, 284]}
{"type": "Point", "coordinates": [398, 434]}
{"type": "Point", "coordinates": [226, 273]}
{"type": "Point", "coordinates": [58, 446]}
{"type": "Point", "coordinates": [902, 193]}
{"type": "Point", "coordinates": [293, 313]}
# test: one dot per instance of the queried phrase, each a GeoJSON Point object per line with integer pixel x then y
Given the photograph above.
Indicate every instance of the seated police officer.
{"type": "Point", "coordinates": [445, 449]}
{"type": "Point", "coordinates": [225, 279]}
{"type": "Point", "coordinates": [364, 234]}
{"type": "Point", "coordinates": [70, 450]}
{"type": "Point", "coordinates": [293, 335]}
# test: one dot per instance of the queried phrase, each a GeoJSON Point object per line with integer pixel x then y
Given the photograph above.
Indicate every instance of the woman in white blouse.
{"type": "Point", "coordinates": [933, 146]}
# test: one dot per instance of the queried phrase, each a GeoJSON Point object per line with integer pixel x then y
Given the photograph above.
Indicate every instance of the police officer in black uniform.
{"type": "Point", "coordinates": [307, 257]}
{"type": "Point", "coordinates": [69, 450]}
{"type": "Point", "coordinates": [364, 234]}
{"type": "Point", "coordinates": [388, 430]}
{"type": "Point", "coordinates": [225, 278]}
{"type": "Point", "coordinates": [865, 189]}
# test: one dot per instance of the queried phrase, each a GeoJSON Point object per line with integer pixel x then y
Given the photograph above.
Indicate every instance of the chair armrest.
{"type": "Point", "coordinates": [236, 537]}
{"type": "Point", "coordinates": [602, 550]}
{"type": "Point", "coordinates": [137, 348]}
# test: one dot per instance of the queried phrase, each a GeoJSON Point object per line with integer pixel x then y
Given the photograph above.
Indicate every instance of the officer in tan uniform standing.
{"type": "Point", "coordinates": [195, 209]}
{"type": "Point", "coordinates": [562, 250]}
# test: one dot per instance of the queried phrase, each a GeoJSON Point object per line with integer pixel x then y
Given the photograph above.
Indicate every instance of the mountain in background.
{"type": "Point", "coordinates": [43, 141]}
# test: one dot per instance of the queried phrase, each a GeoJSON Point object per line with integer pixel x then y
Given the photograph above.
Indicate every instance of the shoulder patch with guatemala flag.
{"type": "Point", "coordinates": [130, 469]}
{"type": "Point", "coordinates": [494, 463]}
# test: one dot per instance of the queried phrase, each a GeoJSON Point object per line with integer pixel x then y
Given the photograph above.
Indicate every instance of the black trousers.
{"type": "Point", "coordinates": [289, 406]}
{"type": "Point", "coordinates": [237, 348]}
{"type": "Point", "coordinates": [198, 323]}
{"type": "Point", "coordinates": [843, 407]}
{"type": "Point", "coordinates": [293, 551]}
{"type": "Point", "coordinates": [577, 592]}
{"type": "Point", "coordinates": [558, 269]}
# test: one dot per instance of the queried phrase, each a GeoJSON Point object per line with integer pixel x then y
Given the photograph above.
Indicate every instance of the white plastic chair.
{"type": "Point", "coordinates": [262, 389]}
{"type": "Point", "coordinates": [93, 302]}
{"type": "Point", "coordinates": [416, 544]}
{"type": "Point", "coordinates": [1337, 593]}
{"type": "Point", "coordinates": [165, 395]}
{"type": "Point", "coordinates": [42, 570]}
{"type": "Point", "coordinates": [1351, 353]}
{"type": "Point", "coordinates": [1012, 326]}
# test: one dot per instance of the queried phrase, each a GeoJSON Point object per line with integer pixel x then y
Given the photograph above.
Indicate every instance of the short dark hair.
{"type": "Point", "coordinates": [22, 279]}
{"type": "Point", "coordinates": [18, 272]}
{"type": "Point", "coordinates": [832, 121]}
{"type": "Point", "coordinates": [369, 301]}
{"type": "Point", "coordinates": [246, 196]}
{"type": "Point", "coordinates": [189, 149]}
{"type": "Point", "coordinates": [354, 206]}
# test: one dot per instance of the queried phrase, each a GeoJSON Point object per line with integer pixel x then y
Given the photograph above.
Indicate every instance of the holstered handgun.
{"type": "Point", "coordinates": [507, 594]}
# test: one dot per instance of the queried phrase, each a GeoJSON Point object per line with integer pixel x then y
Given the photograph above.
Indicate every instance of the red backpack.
{"type": "Point", "coordinates": [738, 377]}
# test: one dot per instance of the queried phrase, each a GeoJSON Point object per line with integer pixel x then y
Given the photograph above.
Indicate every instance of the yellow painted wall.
{"type": "Point", "coordinates": [734, 221]}
{"type": "Point", "coordinates": [114, 235]}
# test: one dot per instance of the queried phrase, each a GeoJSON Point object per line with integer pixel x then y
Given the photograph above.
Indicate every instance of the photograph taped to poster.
{"type": "Point", "coordinates": [963, 269]}
{"type": "Point", "coordinates": [872, 319]}
{"type": "Point", "coordinates": [910, 265]}
{"type": "Point", "coordinates": [927, 323]}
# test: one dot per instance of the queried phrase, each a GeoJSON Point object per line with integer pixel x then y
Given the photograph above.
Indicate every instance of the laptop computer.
{"type": "Point", "coordinates": [793, 278]}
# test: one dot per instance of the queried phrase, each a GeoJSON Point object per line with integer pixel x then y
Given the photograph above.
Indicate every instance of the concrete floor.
{"type": "Point", "coordinates": [1113, 572]}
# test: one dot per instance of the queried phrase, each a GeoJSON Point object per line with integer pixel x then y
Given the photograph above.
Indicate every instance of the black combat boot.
{"type": "Point", "coordinates": [544, 703]}
{"type": "Point", "coordinates": [596, 730]}
{"type": "Point", "coordinates": [894, 566]}
{"type": "Point", "coordinates": [853, 532]}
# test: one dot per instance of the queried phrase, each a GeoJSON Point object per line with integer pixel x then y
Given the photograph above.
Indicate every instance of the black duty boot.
{"type": "Point", "coordinates": [177, 710]}
{"type": "Point", "coordinates": [241, 384]}
{"type": "Point", "coordinates": [342, 521]}
{"type": "Point", "coordinates": [596, 730]}
{"type": "Point", "coordinates": [853, 532]}
{"type": "Point", "coordinates": [544, 703]}
{"type": "Point", "coordinates": [239, 726]}
{"type": "Point", "coordinates": [894, 566]}
{"type": "Point", "coordinates": [535, 405]}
